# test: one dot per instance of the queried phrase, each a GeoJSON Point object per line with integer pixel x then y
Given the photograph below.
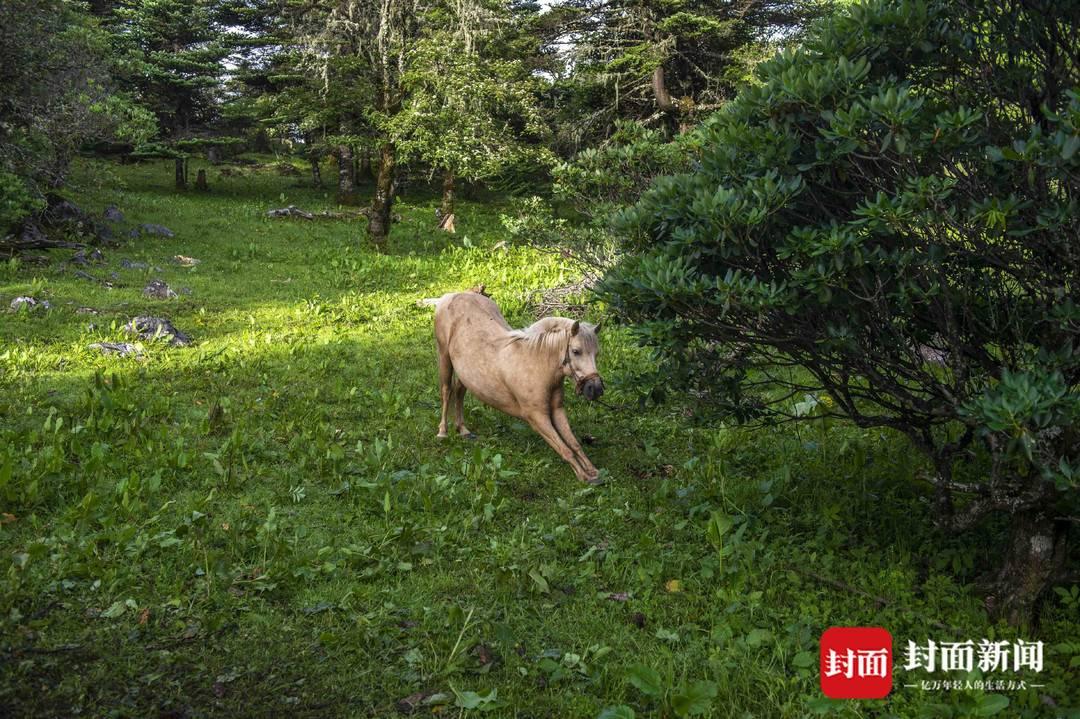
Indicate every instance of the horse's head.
{"type": "Point", "coordinates": [581, 353]}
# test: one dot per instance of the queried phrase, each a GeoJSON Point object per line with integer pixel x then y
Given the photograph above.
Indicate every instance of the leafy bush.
{"type": "Point", "coordinates": [57, 94]}
{"type": "Point", "coordinates": [888, 223]}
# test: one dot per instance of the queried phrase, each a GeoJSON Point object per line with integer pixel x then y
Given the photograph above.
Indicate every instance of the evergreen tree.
{"type": "Point", "coordinates": [173, 52]}
{"type": "Point", "coordinates": [663, 60]}
{"type": "Point", "coordinates": [468, 112]}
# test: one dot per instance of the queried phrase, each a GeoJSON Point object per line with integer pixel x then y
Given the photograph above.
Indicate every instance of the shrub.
{"type": "Point", "coordinates": [888, 222]}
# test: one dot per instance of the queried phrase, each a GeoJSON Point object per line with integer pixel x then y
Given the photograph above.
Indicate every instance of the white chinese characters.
{"type": "Point", "coordinates": [988, 656]}
{"type": "Point", "coordinates": [857, 663]}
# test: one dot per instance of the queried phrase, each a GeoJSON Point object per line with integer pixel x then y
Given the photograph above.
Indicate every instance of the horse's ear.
{"type": "Point", "coordinates": [596, 327]}
{"type": "Point", "coordinates": [575, 328]}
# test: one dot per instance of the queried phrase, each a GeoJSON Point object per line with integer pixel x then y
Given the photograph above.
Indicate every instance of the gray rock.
{"type": "Point", "coordinates": [30, 303]}
{"type": "Point", "coordinates": [152, 229]}
{"type": "Point", "coordinates": [86, 311]}
{"type": "Point", "coordinates": [113, 214]}
{"type": "Point", "coordinates": [88, 257]}
{"type": "Point", "coordinates": [58, 209]}
{"type": "Point", "coordinates": [159, 290]}
{"type": "Point", "coordinates": [290, 211]}
{"type": "Point", "coordinates": [117, 348]}
{"type": "Point", "coordinates": [185, 261]}
{"type": "Point", "coordinates": [90, 278]}
{"type": "Point", "coordinates": [151, 328]}
{"type": "Point", "coordinates": [136, 265]}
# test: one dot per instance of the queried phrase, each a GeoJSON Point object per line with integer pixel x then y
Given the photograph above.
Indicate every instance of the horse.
{"type": "Point", "coordinates": [519, 372]}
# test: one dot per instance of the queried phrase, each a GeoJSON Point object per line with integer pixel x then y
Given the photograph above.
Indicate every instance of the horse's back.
{"type": "Point", "coordinates": [469, 317]}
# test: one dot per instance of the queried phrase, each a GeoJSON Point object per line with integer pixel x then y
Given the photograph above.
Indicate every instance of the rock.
{"type": "Point", "coordinates": [86, 311]}
{"type": "Point", "coordinates": [113, 214]}
{"type": "Point", "coordinates": [151, 328]}
{"type": "Point", "coordinates": [185, 261]}
{"type": "Point", "coordinates": [91, 257]}
{"type": "Point", "coordinates": [57, 210]}
{"type": "Point", "coordinates": [30, 303]}
{"type": "Point", "coordinates": [87, 276]}
{"type": "Point", "coordinates": [117, 348]}
{"type": "Point", "coordinates": [151, 229]}
{"type": "Point", "coordinates": [136, 265]}
{"type": "Point", "coordinates": [67, 218]}
{"type": "Point", "coordinates": [157, 289]}
{"type": "Point", "coordinates": [33, 236]}
{"type": "Point", "coordinates": [290, 211]}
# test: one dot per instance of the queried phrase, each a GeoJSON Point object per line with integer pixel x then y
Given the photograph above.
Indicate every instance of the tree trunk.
{"type": "Point", "coordinates": [660, 91]}
{"type": "Point", "coordinates": [316, 172]}
{"type": "Point", "coordinates": [448, 193]}
{"type": "Point", "coordinates": [346, 178]}
{"type": "Point", "coordinates": [665, 104]}
{"type": "Point", "coordinates": [262, 142]}
{"type": "Point", "coordinates": [383, 201]}
{"type": "Point", "coordinates": [200, 181]}
{"type": "Point", "coordinates": [181, 176]}
{"type": "Point", "coordinates": [365, 164]}
{"type": "Point", "coordinates": [213, 155]}
{"type": "Point", "coordinates": [1036, 553]}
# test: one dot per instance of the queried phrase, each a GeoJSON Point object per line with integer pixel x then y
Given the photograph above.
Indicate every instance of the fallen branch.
{"type": "Point", "coordinates": [294, 211]}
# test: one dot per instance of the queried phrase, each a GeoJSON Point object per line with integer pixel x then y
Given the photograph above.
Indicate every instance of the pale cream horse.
{"type": "Point", "coordinates": [520, 372]}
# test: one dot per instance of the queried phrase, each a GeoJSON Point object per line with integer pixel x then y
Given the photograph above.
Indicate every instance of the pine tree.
{"type": "Point", "coordinates": [173, 53]}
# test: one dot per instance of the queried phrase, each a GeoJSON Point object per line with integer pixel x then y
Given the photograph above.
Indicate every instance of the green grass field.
{"type": "Point", "coordinates": [264, 523]}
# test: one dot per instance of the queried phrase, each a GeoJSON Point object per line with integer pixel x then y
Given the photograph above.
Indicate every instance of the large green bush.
{"type": "Point", "coordinates": [888, 224]}
{"type": "Point", "coordinates": [56, 93]}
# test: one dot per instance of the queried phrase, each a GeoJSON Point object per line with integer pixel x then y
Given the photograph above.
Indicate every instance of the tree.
{"type": "Point", "coordinates": [666, 60]}
{"type": "Point", "coordinates": [173, 52]}
{"type": "Point", "coordinates": [467, 115]}
{"type": "Point", "coordinates": [55, 94]}
{"type": "Point", "coordinates": [371, 39]}
{"type": "Point", "coordinates": [888, 224]}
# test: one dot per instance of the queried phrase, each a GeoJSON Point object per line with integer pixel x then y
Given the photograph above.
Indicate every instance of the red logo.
{"type": "Point", "coordinates": [856, 663]}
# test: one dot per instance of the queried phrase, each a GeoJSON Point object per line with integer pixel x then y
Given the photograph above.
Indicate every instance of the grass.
{"type": "Point", "coordinates": [264, 524]}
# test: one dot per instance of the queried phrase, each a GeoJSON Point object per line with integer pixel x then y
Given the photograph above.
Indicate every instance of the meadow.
{"type": "Point", "coordinates": [264, 523]}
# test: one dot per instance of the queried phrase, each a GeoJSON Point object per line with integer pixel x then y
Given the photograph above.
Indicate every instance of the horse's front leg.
{"type": "Point", "coordinates": [541, 422]}
{"type": "Point", "coordinates": [562, 424]}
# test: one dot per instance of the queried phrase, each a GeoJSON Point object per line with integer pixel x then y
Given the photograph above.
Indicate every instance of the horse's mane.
{"type": "Point", "coordinates": [550, 334]}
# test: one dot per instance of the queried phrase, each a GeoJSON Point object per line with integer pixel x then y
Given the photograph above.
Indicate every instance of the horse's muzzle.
{"type": "Point", "coordinates": [591, 386]}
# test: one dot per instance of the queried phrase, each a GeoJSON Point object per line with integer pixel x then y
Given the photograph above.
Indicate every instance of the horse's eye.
{"type": "Point", "coordinates": [576, 352]}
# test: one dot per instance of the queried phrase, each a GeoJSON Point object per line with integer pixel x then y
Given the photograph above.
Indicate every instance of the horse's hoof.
{"type": "Point", "coordinates": [596, 478]}
{"type": "Point", "coordinates": [441, 435]}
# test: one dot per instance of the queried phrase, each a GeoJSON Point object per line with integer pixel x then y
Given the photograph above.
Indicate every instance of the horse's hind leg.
{"type": "Point", "coordinates": [446, 375]}
{"type": "Point", "coordinates": [457, 397]}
